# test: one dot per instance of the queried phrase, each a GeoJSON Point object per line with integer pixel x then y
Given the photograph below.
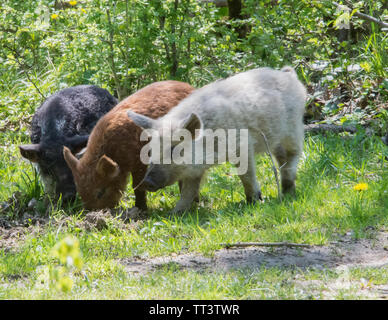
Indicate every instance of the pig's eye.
{"type": "Point", "coordinates": [100, 193]}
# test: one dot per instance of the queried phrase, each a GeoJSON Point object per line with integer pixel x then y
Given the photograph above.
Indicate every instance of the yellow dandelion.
{"type": "Point", "coordinates": [83, 10]}
{"type": "Point", "coordinates": [54, 16]}
{"type": "Point", "coordinates": [73, 2]}
{"type": "Point", "coordinates": [360, 187]}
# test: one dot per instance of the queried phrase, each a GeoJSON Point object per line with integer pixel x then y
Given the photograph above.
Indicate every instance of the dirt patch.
{"type": "Point", "coordinates": [346, 252]}
{"type": "Point", "coordinates": [14, 230]}
{"type": "Point", "coordinates": [340, 256]}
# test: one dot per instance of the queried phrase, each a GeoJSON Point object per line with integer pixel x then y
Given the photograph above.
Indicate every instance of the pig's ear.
{"type": "Point", "coordinates": [30, 151]}
{"type": "Point", "coordinates": [194, 124]}
{"type": "Point", "coordinates": [143, 122]}
{"type": "Point", "coordinates": [106, 167]}
{"type": "Point", "coordinates": [77, 143]}
{"type": "Point", "coordinates": [70, 159]}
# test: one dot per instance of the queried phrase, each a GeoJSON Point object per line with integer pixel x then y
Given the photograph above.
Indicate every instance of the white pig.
{"type": "Point", "coordinates": [261, 106]}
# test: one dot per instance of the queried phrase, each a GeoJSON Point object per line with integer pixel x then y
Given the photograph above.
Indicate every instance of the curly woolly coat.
{"type": "Point", "coordinates": [268, 103]}
{"type": "Point", "coordinates": [66, 118]}
{"type": "Point", "coordinates": [113, 149]}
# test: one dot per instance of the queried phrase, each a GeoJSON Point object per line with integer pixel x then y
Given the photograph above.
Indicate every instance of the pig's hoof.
{"type": "Point", "coordinates": [288, 187]}
{"type": "Point", "coordinates": [289, 191]}
{"type": "Point", "coordinates": [179, 211]}
{"type": "Point", "coordinates": [255, 198]}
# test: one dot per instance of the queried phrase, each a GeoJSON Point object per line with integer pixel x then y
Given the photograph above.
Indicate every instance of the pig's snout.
{"type": "Point", "coordinates": [68, 196]}
{"type": "Point", "coordinates": [67, 192]}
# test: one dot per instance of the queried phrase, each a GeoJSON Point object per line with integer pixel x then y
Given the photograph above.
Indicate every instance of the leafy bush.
{"type": "Point", "coordinates": [123, 45]}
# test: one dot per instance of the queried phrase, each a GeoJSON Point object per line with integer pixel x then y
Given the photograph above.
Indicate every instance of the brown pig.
{"type": "Point", "coordinates": [113, 149]}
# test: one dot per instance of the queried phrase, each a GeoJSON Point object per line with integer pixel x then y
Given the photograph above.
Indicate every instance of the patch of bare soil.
{"type": "Point", "coordinates": [345, 252]}
{"type": "Point", "coordinates": [99, 219]}
{"type": "Point", "coordinates": [14, 230]}
{"type": "Point", "coordinates": [340, 256]}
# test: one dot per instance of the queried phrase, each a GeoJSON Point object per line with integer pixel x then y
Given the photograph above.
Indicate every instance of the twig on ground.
{"type": "Point", "coordinates": [264, 244]}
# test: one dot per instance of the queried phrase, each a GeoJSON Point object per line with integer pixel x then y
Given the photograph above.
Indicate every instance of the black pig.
{"type": "Point", "coordinates": [64, 119]}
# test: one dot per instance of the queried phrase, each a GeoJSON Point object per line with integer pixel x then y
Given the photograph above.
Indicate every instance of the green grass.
{"type": "Point", "coordinates": [110, 281]}
{"type": "Point", "coordinates": [326, 207]}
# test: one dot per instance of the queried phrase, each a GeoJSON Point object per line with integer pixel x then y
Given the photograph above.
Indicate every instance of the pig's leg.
{"type": "Point", "coordinates": [249, 181]}
{"type": "Point", "coordinates": [189, 192]}
{"type": "Point", "coordinates": [196, 199]}
{"type": "Point", "coordinates": [140, 195]}
{"type": "Point", "coordinates": [140, 199]}
{"type": "Point", "coordinates": [287, 161]}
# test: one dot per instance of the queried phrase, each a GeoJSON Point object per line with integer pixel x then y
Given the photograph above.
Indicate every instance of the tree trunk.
{"type": "Point", "coordinates": [235, 13]}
